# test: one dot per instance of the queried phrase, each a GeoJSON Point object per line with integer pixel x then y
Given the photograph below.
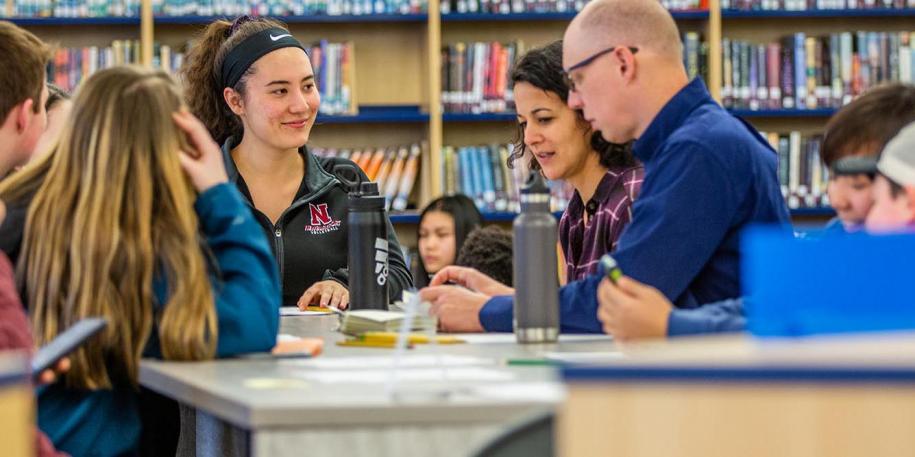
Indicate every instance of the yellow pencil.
{"type": "Point", "coordinates": [414, 338]}
{"type": "Point", "coordinates": [369, 344]}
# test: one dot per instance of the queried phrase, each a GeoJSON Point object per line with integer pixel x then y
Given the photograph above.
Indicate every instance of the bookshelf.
{"type": "Point", "coordinates": [397, 66]}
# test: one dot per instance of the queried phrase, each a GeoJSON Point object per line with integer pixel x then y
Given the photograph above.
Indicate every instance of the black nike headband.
{"type": "Point", "coordinates": [252, 48]}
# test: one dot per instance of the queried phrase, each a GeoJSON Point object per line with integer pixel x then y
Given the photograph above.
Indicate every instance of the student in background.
{"type": "Point", "coordinates": [707, 174]}
{"type": "Point", "coordinates": [894, 186]}
{"type": "Point", "coordinates": [860, 130]}
{"type": "Point", "coordinates": [130, 217]}
{"type": "Point", "coordinates": [489, 251]}
{"type": "Point", "coordinates": [58, 108]}
{"type": "Point", "coordinates": [22, 119]}
{"type": "Point", "coordinates": [253, 86]}
{"type": "Point", "coordinates": [443, 226]}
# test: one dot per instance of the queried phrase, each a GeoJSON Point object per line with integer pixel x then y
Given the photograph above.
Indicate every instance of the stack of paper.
{"type": "Point", "coordinates": [369, 320]}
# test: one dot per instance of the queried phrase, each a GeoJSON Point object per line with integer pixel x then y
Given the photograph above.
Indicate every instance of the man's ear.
{"type": "Point", "coordinates": [234, 100]}
{"type": "Point", "coordinates": [910, 202]}
{"type": "Point", "coordinates": [626, 59]}
{"type": "Point", "coordinates": [24, 115]}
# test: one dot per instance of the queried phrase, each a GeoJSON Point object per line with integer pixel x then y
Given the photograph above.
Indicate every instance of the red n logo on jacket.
{"type": "Point", "coordinates": [319, 214]}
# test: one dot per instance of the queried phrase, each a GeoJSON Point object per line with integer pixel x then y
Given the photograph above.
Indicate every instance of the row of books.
{"type": "Point", "coordinates": [801, 172]}
{"type": "Point", "coordinates": [71, 65]}
{"type": "Point", "coordinates": [476, 76]}
{"type": "Point", "coordinates": [808, 72]}
{"type": "Point", "coordinates": [394, 168]}
{"type": "Point", "coordinates": [332, 62]}
{"type": "Point", "coordinates": [335, 71]}
{"type": "Point", "coordinates": [482, 173]}
{"type": "Point", "coordinates": [813, 5]}
{"type": "Point", "coordinates": [280, 8]}
{"type": "Point", "coordinates": [543, 6]}
{"type": "Point", "coordinates": [167, 58]}
{"type": "Point", "coordinates": [75, 8]}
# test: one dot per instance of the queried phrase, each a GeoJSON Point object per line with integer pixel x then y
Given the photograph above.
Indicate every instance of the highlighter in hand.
{"type": "Point", "coordinates": [611, 269]}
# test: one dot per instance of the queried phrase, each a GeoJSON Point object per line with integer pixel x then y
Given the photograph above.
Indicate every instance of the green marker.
{"type": "Point", "coordinates": [530, 362]}
{"type": "Point", "coordinates": [611, 269]}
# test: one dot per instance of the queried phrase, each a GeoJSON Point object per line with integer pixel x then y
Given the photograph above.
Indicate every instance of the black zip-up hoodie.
{"type": "Point", "coordinates": [310, 238]}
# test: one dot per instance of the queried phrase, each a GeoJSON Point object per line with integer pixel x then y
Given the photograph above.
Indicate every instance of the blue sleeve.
{"type": "Point", "coordinates": [247, 286]}
{"type": "Point", "coordinates": [685, 210]}
{"type": "Point", "coordinates": [577, 309]}
{"type": "Point", "coordinates": [724, 316]}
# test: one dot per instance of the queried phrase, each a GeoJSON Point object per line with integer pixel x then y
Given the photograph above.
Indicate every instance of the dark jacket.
{"type": "Point", "coordinates": [310, 237]}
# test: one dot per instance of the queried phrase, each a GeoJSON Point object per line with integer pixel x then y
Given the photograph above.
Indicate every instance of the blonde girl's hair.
{"type": "Point", "coordinates": [113, 212]}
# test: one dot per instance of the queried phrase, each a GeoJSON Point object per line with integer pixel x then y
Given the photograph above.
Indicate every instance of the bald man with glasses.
{"type": "Point", "coordinates": [707, 175]}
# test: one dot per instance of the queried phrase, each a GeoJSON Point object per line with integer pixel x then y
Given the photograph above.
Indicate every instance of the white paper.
{"type": "Point", "coordinates": [295, 311]}
{"type": "Point", "coordinates": [584, 357]}
{"type": "Point", "coordinates": [509, 338]}
{"type": "Point", "coordinates": [411, 361]}
{"type": "Point", "coordinates": [285, 338]}
{"type": "Point", "coordinates": [408, 375]}
{"type": "Point", "coordinates": [539, 391]}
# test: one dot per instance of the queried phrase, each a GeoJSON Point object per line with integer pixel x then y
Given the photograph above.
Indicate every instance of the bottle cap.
{"type": "Point", "coordinates": [535, 184]}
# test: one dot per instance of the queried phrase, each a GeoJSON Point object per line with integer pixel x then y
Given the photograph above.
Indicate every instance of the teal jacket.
{"type": "Point", "coordinates": [246, 291]}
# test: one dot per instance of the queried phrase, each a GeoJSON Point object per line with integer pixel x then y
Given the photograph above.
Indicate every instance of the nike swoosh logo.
{"type": "Point", "coordinates": [275, 38]}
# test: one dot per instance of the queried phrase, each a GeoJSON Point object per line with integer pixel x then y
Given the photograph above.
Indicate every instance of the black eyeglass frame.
{"type": "Point", "coordinates": [587, 61]}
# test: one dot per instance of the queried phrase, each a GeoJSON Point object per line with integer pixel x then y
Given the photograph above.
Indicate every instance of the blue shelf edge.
{"type": "Point", "coordinates": [819, 112]}
{"type": "Point", "coordinates": [824, 13]}
{"type": "Point", "coordinates": [481, 117]}
{"type": "Point", "coordinates": [59, 21]}
{"type": "Point", "coordinates": [549, 16]}
{"type": "Point", "coordinates": [712, 374]}
{"type": "Point", "coordinates": [377, 113]}
{"type": "Point", "coordinates": [413, 217]}
{"type": "Point", "coordinates": [308, 19]}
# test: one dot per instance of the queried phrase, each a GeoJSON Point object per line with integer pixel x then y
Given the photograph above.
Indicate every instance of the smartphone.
{"type": "Point", "coordinates": [610, 267]}
{"type": "Point", "coordinates": [65, 343]}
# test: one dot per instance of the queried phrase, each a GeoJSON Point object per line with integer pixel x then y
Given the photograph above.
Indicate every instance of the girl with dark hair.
{"type": "Point", "coordinates": [559, 142]}
{"type": "Point", "coordinates": [443, 226]}
{"type": "Point", "coordinates": [252, 84]}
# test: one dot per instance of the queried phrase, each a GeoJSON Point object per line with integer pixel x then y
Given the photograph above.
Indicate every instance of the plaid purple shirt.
{"type": "Point", "coordinates": [584, 244]}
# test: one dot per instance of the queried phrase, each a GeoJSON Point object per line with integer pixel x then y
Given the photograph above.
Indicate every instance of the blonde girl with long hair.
{"type": "Point", "coordinates": [130, 217]}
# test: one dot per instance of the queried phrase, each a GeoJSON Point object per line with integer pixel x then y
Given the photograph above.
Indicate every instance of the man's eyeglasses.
{"type": "Point", "coordinates": [566, 74]}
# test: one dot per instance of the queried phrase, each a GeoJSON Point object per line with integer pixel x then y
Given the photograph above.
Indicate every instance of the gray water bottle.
{"type": "Point", "coordinates": [535, 277]}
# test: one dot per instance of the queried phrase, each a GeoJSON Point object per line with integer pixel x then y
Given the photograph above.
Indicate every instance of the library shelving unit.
{"type": "Point", "coordinates": [398, 77]}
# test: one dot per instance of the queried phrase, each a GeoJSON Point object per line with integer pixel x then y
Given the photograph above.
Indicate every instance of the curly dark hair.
{"type": "Point", "coordinates": [542, 68]}
{"type": "Point", "coordinates": [489, 251]}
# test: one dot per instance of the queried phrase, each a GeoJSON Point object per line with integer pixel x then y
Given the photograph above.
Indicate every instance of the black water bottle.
{"type": "Point", "coordinates": [535, 277]}
{"type": "Point", "coordinates": [368, 248]}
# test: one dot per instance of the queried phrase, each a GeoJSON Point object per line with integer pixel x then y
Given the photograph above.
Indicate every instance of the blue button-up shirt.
{"type": "Point", "coordinates": [707, 175]}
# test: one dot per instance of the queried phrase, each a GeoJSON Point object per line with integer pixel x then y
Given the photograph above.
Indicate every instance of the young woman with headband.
{"type": "Point", "coordinates": [252, 84]}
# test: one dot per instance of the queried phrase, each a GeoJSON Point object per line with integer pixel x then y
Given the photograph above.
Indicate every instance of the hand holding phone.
{"type": "Point", "coordinates": [611, 269]}
{"type": "Point", "coordinates": [65, 343]}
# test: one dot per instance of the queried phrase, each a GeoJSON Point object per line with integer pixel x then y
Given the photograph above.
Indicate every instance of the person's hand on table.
{"type": "Point", "coordinates": [312, 346]}
{"type": "Point", "coordinates": [457, 308]}
{"type": "Point", "coordinates": [326, 294]}
{"type": "Point", "coordinates": [631, 310]}
{"type": "Point", "coordinates": [471, 279]}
